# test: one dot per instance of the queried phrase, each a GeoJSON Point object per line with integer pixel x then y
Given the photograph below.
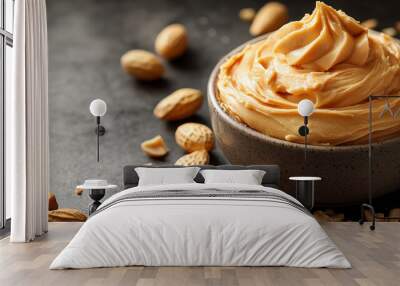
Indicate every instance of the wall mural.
{"type": "Point", "coordinates": [185, 86]}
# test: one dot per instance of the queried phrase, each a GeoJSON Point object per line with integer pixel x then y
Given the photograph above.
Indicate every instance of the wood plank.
{"type": "Point", "coordinates": [375, 257]}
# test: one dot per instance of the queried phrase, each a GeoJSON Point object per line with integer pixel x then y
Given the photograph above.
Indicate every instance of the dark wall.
{"type": "Point", "coordinates": [86, 40]}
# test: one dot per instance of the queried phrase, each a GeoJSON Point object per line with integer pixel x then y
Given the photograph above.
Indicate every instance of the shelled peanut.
{"type": "Point", "coordinates": [179, 105]}
{"type": "Point", "coordinates": [247, 14]}
{"type": "Point", "coordinates": [155, 147]}
{"type": "Point", "coordinates": [142, 64]}
{"type": "Point", "coordinates": [269, 18]}
{"type": "Point", "coordinates": [172, 41]}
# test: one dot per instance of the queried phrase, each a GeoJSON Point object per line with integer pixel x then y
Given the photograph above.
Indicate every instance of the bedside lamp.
{"type": "Point", "coordinates": [98, 108]}
{"type": "Point", "coordinates": [305, 108]}
{"type": "Point", "coordinates": [305, 185]}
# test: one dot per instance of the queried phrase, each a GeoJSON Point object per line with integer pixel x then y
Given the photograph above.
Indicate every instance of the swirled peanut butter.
{"type": "Point", "coordinates": [327, 57]}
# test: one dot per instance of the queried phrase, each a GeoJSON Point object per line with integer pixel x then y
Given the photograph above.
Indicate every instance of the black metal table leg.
{"type": "Point", "coordinates": [362, 219]}
{"type": "Point", "coordinates": [305, 191]}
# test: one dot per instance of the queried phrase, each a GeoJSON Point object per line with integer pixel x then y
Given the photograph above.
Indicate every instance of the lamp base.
{"type": "Point", "coordinates": [101, 130]}
{"type": "Point", "coordinates": [303, 130]}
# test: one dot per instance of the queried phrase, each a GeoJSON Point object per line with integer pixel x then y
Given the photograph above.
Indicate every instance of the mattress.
{"type": "Point", "coordinates": [201, 225]}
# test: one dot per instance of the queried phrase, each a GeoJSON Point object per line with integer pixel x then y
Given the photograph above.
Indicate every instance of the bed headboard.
{"type": "Point", "coordinates": [271, 177]}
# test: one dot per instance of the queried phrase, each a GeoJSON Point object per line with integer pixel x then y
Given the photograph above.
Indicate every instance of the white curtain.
{"type": "Point", "coordinates": [27, 142]}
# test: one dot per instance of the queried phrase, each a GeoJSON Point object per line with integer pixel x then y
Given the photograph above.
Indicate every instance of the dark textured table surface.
{"type": "Point", "coordinates": [86, 41]}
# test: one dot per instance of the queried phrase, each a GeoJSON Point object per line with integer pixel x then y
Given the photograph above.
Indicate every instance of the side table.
{"type": "Point", "coordinates": [97, 190]}
{"type": "Point", "coordinates": [305, 190]}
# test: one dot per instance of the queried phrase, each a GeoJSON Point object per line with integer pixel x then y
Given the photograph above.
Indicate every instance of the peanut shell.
{"type": "Point", "coordinates": [200, 157]}
{"type": "Point", "coordinates": [172, 41]}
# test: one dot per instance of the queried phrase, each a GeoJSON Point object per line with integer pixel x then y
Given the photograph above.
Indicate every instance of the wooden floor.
{"type": "Point", "coordinates": [375, 257]}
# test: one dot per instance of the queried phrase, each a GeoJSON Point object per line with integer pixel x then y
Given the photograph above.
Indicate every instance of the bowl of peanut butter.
{"type": "Point", "coordinates": [331, 59]}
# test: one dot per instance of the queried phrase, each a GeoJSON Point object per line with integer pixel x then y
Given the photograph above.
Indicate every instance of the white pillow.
{"type": "Point", "coordinates": [248, 177]}
{"type": "Point", "coordinates": [166, 176]}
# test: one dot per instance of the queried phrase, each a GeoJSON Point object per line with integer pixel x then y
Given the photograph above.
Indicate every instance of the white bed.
{"type": "Point", "coordinates": [249, 226]}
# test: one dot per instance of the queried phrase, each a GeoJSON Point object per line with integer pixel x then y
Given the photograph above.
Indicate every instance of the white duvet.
{"type": "Point", "coordinates": [200, 231]}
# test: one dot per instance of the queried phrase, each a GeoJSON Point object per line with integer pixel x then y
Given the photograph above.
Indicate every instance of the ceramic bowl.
{"type": "Point", "coordinates": [344, 169]}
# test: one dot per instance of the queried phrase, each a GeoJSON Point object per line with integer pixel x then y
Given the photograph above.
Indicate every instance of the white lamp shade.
{"type": "Point", "coordinates": [98, 107]}
{"type": "Point", "coordinates": [305, 107]}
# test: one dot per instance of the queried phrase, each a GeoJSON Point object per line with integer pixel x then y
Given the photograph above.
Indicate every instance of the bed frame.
{"type": "Point", "coordinates": [271, 177]}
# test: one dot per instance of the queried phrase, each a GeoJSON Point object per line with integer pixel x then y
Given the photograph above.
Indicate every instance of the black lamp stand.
{"type": "Point", "coordinates": [305, 188]}
{"type": "Point", "coordinates": [369, 205]}
{"type": "Point", "coordinates": [304, 131]}
{"type": "Point", "coordinates": [370, 172]}
{"type": "Point", "coordinates": [100, 131]}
